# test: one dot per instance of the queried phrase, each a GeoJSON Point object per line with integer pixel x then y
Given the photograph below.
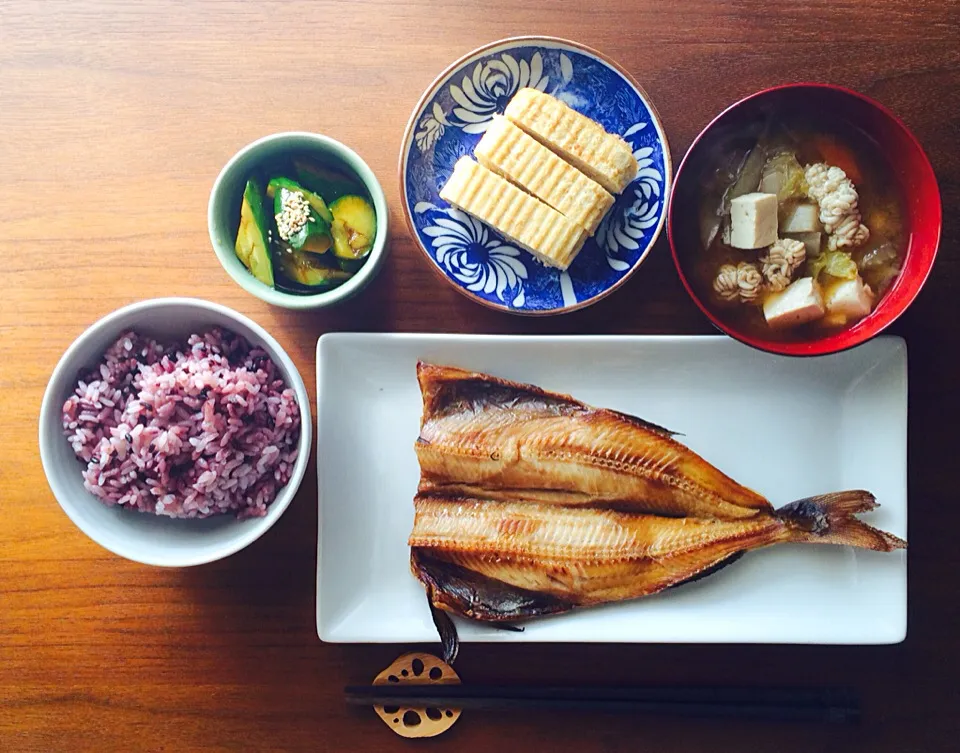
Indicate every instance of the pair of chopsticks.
{"type": "Point", "coordinates": [835, 705]}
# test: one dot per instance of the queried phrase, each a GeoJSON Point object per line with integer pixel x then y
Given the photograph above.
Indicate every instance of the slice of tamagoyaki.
{"type": "Point", "coordinates": [515, 155]}
{"type": "Point", "coordinates": [603, 157]}
{"type": "Point", "coordinates": [525, 220]}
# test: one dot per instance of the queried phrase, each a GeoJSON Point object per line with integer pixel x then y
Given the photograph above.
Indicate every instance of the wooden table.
{"type": "Point", "coordinates": [114, 119]}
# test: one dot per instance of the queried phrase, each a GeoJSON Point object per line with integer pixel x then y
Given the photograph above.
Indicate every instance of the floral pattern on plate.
{"type": "Point", "coordinates": [452, 120]}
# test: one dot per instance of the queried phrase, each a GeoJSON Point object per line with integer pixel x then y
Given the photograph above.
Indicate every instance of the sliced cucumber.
{"type": "Point", "coordinates": [353, 228]}
{"type": "Point", "coordinates": [349, 265]}
{"type": "Point", "coordinates": [325, 180]}
{"type": "Point", "coordinates": [252, 245]}
{"type": "Point", "coordinates": [317, 243]}
{"type": "Point", "coordinates": [315, 199]}
{"type": "Point", "coordinates": [303, 270]}
{"type": "Point", "coordinates": [313, 236]}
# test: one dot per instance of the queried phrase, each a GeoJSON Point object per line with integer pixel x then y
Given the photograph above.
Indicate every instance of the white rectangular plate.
{"type": "Point", "coordinates": [786, 427]}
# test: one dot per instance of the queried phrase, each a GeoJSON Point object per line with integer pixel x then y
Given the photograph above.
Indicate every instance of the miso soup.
{"type": "Point", "coordinates": [801, 228]}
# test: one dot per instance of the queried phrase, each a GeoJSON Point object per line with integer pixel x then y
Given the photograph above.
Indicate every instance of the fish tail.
{"type": "Point", "coordinates": [829, 519]}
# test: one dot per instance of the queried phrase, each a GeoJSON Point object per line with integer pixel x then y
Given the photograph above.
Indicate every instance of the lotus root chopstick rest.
{"type": "Point", "coordinates": [415, 721]}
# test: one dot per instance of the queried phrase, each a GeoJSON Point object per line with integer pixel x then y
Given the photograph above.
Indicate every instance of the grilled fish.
{"type": "Point", "coordinates": [487, 437]}
{"type": "Point", "coordinates": [548, 558]}
{"type": "Point", "coordinates": [533, 503]}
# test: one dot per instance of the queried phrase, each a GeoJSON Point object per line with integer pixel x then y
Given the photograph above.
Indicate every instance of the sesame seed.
{"type": "Point", "coordinates": [294, 214]}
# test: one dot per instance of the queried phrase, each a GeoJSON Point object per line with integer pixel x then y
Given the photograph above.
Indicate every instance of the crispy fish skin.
{"type": "Point", "coordinates": [547, 559]}
{"type": "Point", "coordinates": [480, 434]}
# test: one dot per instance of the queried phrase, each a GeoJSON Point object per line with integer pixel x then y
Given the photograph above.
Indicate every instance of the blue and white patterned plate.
{"type": "Point", "coordinates": [450, 119]}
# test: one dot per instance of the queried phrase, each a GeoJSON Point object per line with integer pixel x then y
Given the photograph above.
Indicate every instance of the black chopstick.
{"type": "Point", "coordinates": [836, 705]}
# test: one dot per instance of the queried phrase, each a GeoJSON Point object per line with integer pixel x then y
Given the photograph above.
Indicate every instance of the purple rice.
{"type": "Point", "coordinates": [187, 431]}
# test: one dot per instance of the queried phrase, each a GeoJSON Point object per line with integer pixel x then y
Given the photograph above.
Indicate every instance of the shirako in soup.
{"type": "Point", "coordinates": [801, 228]}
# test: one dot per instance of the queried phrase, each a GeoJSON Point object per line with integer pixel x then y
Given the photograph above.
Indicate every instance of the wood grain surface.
{"type": "Point", "coordinates": [115, 117]}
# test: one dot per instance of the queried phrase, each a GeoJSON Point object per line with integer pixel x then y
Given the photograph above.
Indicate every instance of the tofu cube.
{"type": "Point", "coordinates": [811, 242]}
{"type": "Point", "coordinates": [850, 299]}
{"type": "Point", "coordinates": [833, 320]}
{"type": "Point", "coordinates": [800, 303]}
{"type": "Point", "coordinates": [801, 218]}
{"type": "Point", "coordinates": [772, 182]}
{"type": "Point", "coordinates": [753, 220]}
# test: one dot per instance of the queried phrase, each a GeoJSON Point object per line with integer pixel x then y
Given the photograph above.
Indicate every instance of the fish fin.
{"type": "Point", "coordinates": [449, 638]}
{"type": "Point", "coordinates": [446, 629]}
{"type": "Point", "coordinates": [717, 566]}
{"type": "Point", "coordinates": [507, 627]}
{"type": "Point", "coordinates": [836, 503]}
{"type": "Point", "coordinates": [655, 428]}
{"type": "Point", "coordinates": [829, 519]}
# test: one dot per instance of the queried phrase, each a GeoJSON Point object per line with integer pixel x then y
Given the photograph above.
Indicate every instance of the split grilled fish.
{"type": "Point", "coordinates": [533, 503]}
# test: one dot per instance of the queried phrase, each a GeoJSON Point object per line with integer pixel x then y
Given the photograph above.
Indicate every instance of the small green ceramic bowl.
{"type": "Point", "coordinates": [223, 212]}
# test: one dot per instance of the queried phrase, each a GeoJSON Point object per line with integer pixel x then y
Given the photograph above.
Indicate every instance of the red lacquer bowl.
{"type": "Point", "coordinates": [909, 166]}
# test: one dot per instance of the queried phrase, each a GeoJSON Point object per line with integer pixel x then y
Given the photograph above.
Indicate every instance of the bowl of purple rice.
{"type": "Point", "coordinates": [175, 431]}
